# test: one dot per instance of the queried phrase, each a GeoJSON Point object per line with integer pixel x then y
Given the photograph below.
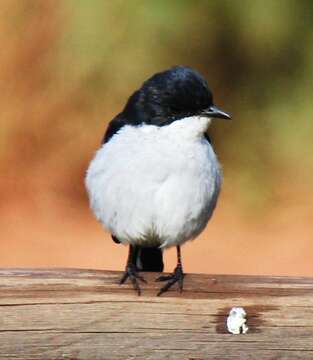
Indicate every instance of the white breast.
{"type": "Point", "coordinates": [155, 186]}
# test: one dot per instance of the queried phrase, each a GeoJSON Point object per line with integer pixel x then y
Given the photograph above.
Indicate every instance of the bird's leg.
{"type": "Point", "coordinates": [176, 277]}
{"type": "Point", "coordinates": [131, 271]}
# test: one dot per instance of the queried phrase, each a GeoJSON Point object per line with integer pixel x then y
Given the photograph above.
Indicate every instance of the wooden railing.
{"type": "Point", "coordinates": [85, 314]}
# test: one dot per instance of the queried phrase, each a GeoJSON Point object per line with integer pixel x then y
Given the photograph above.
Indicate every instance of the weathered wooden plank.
{"type": "Point", "coordinates": [85, 314]}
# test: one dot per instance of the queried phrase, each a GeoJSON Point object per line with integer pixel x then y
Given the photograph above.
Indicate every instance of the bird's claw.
{"type": "Point", "coordinates": [176, 277]}
{"type": "Point", "coordinates": [132, 273]}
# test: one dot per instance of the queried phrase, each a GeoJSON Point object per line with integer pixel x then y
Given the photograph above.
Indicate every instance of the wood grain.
{"type": "Point", "coordinates": [85, 314]}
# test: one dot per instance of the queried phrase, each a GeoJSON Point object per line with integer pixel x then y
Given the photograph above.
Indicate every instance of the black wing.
{"type": "Point", "coordinates": [208, 138]}
{"type": "Point", "coordinates": [114, 126]}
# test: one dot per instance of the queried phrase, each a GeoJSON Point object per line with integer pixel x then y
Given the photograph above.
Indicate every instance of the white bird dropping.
{"type": "Point", "coordinates": [236, 321]}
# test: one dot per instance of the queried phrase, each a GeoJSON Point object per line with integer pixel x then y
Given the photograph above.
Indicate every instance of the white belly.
{"type": "Point", "coordinates": [152, 187]}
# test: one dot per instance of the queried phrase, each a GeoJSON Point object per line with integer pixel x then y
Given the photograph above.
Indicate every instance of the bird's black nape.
{"type": "Point", "coordinates": [168, 96]}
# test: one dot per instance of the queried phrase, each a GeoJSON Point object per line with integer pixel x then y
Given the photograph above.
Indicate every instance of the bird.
{"type": "Point", "coordinates": [155, 180]}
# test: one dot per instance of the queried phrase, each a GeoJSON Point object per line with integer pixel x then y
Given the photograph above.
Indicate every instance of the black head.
{"type": "Point", "coordinates": [171, 95]}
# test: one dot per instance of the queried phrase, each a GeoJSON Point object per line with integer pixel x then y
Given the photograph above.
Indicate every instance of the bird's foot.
{"type": "Point", "coordinates": [132, 273]}
{"type": "Point", "coordinates": [176, 277]}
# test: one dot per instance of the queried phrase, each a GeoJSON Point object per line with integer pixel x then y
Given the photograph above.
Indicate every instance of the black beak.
{"type": "Point", "coordinates": [214, 112]}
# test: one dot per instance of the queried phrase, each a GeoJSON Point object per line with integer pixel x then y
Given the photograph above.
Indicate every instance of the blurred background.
{"type": "Point", "coordinates": [67, 67]}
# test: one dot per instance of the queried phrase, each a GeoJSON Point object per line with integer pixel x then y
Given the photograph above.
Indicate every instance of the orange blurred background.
{"type": "Point", "coordinates": [68, 67]}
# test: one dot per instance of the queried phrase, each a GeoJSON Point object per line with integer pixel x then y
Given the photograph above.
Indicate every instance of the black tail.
{"type": "Point", "coordinates": [149, 259]}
